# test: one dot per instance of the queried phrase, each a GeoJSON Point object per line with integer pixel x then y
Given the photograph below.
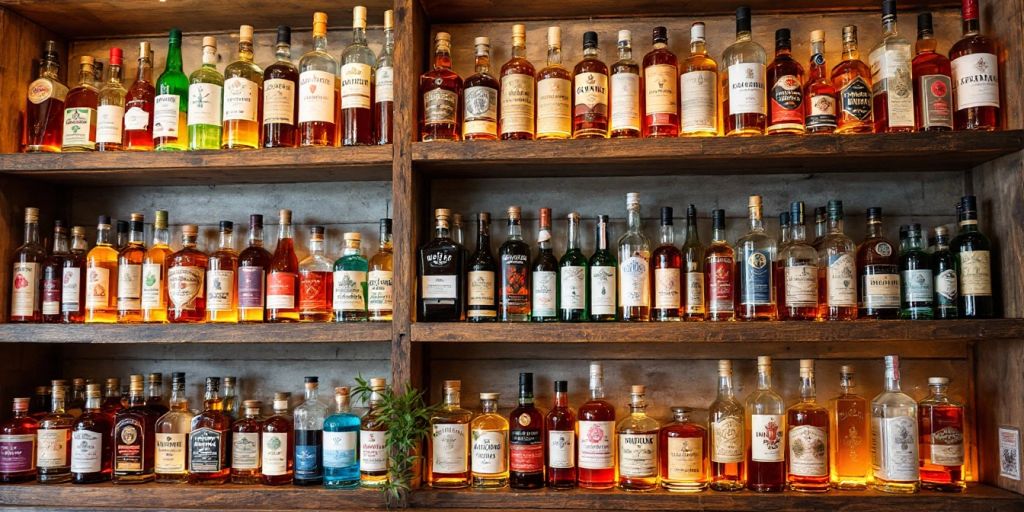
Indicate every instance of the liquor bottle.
{"type": "Point", "coordinates": [53, 440]}
{"type": "Point", "coordinates": [40, 406]}
{"type": "Point", "coordinates": [170, 106]}
{"type": "Point", "coordinates": [590, 93]}
{"type": "Point", "coordinates": [280, 109]}
{"type": "Point", "coordinates": [253, 263]}
{"type": "Point", "coordinates": [971, 248]}
{"type": "Point", "coordinates": [373, 435]}
{"type": "Point", "coordinates": [755, 259]}
{"type": "Point", "coordinates": [820, 226]}
{"type": "Point", "coordinates": [837, 267]}
{"type": "Point", "coordinates": [208, 439]}
{"type": "Point", "coordinates": [480, 306]}
{"type": "Point", "coordinates": [683, 453]}
{"type": "Point", "coordinates": [110, 113]}
{"type": "Point", "coordinates": [666, 281]}
{"type": "Point", "coordinates": [205, 97]}
{"type": "Point", "coordinates": [309, 425]}
{"type": "Point", "coordinates": [786, 76]}
{"type": "Point", "coordinates": [283, 274]}
{"type": "Point", "coordinates": [661, 96]}
{"type": "Point", "coordinates": [490, 445]}
{"type": "Point", "coordinates": [112, 396]}
{"type": "Point", "coordinates": [892, 89]}
{"type": "Point", "coordinates": [944, 273]}
{"type": "Point", "coordinates": [245, 444]}
{"type": "Point", "coordinates": [916, 282]}
{"type": "Point", "coordinates": [518, 94]}
{"type": "Point", "coordinates": [357, 64]}
{"type": "Point", "coordinates": [155, 394]}
{"type": "Point", "coordinates": [742, 73]}
{"type": "Point", "coordinates": [138, 114]}
{"type": "Point", "coordinates": [230, 398]}
{"type": "Point", "coordinates": [101, 277]}
{"type": "Point", "coordinates": [72, 291]}
{"type": "Point", "coordinates": [798, 277]}
{"type": "Point", "coordinates": [51, 274]}
{"type": "Point", "coordinates": [819, 95]}
{"type": "Point", "coordinates": [134, 437]}
{"type": "Point", "coordinates": [852, 81]}
{"type": "Point", "coordinates": [698, 89]}
{"type": "Point", "coordinates": [440, 271]}
{"type": "Point", "coordinates": [243, 97]}
{"type": "Point", "coordinates": [560, 432]}
{"type": "Point", "coordinates": [480, 102]}
{"type": "Point", "coordinates": [624, 92]}
{"type": "Point", "coordinates": [766, 427]}
{"type": "Point", "coordinates": [942, 439]}
{"type": "Point", "coordinates": [384, 88]}
{"type": "Point", "coordinates": [448, 458]}
{"type": "Point", "coordinates": [129, 274]}
{"type": "Point", "coordinates": [75, 403]}
{"type": "Point", "coordinates": [596, 427]}
{"type": "Point", "coordinates": [719, 263]}
{"type": "Point", "coordinates": [601, 281]}
{"type": "Point", "coordinates": [572, 277]}
{"type": "Point", "coordinates": [933, 86]}
{"type": "Point", "coordinates": [849, 449]}
{"type": "Point", "coordinates": [975, 75]}
{"type": "Point", "coordinates": [316, 281]}
{"type": "Point", "coordinates": [122, 234]}
{"type": "Point", "coordinates": [807, 425]}
{"type": "Point", "coordinates": [276, 451]}
{"type": "Point", "coordinates": [693, 270]}
{"type": "Point", "coordinates": [878, 268]}
{"type": "Point", "coordinates": [526, 439]}
{"type": "Point", "coordinates": [27, 271]}
{"type": "Point", "coordinates": [634, 260]}
{"type": "Point", "coordinates": [45, 115]}
{"type": "Point", "coordinates": [79, 133]}
{"type": "Point", "coordinates": [380, 278]}
{"type": "Point", "coordinates": [171, 431]}
{"type": "Point", "coordinates": [18, 445]}
{"type": "Point", "coordinates": [91, 442]}
{"type": "Point", "coordinates": [318, 90]}
{"type": "Point", "coordinates": [341, 442]}
{"type": "Point", "coordinates": [514, 286]}
{"type": "Point", "coordinates": [554, 93]}
{"type": "Point", "coordinates": [221, 285]}
{"type": "Point", "coordinates": [186, 273]}
{"type": "Point", "coordinates": [440, 92]}
{"type": "Point", "coordinates": [97, 74]}
{"type": "Point", "coordinates": [894, 435]}
{"type": "Point", "coordinates": [785, 232]}
{"type": "Point", "coordinates": [350, 282]}
{"type": "Point", "coordinates": [637, 447]}
{"type": "Point", "coordinates": [725, 424]}
{"type": "Point", "coordinates": [544, 275]}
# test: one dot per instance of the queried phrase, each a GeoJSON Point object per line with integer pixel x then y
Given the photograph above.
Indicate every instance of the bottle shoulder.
{"type": "Point", "coordinates": [358, 54]}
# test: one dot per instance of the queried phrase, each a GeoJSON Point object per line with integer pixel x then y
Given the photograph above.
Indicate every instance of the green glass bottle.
{"type": "Point", "coordinates": [350, 282]}
{"type": "Point", "coordinates": [601, 292]}
{"type": "Point", "coordinates": [572, 270]}
{"type": "Point", "coordinates": [205, 94]}
{"type": "Point", "coordinates": [917, 288]}
{"type": "Point", "coordinates": [170, 106]}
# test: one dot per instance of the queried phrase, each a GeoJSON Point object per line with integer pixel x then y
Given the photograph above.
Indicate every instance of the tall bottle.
{"type": "Point", "coordinates": [698, 89]}
{"type": "Point", "coordinates": [280, 107]}
{"type": "Point", "coordinates": [186, 273]}
{"type": "Point", "coordinates": [283, 274]}
{"type": "Point", "coordinates": [544, 278]}
{"type": "Point", "coordinates": [309, 431]}
{"type": "Point", "coordinates": [916, 283]}
{"type": "Point", "coordinates": [480, 102]}
{"type": "Point", "coordinates": [755, 259]}
{"type": "Point", "coordinates": [79, 133]}
{"type": "Point", "coordinates": [637, 447]}
{"type": "Point", "coordinates": [318, 90]}
{"type": "Point", "coordinates": [554, 95]}
{"type": "Point", "coordinates": [786, 76]}
{"type": "Point", "coordinates": [480, 295]}
{"type": "Point", "coordinates": [27, 272]}
{"type": "Point", "coordinates": [243, 97]}
{"type": "Point", "coordinates": [526, 439]}
{"type": "Point", "coordinates": [518, 96]}
{"type": "Point", "coordinates": [892, 84]}
{"type": "Point", "coordinates": [624, 91]}
{"type": "Point", "coordinates": [101, 277]}
{"type": "Point", "coordinates": [384, 88]}
{"type": "Point", "coordinates": [129, 274]}
{"type": "Point", "coordinates": [590, 93]}
{"type": "Point", "coordinates": [878, 268]}
{"type": "Point", "coordinates": [208, 439]}
{"type": "Point", "coordinates": [489, 448]}
{"type": "Point", "coordinates": [278, 455]}
{"type": "Point", "coordinates": [253, 264]}
{"type": "Point", "coordinates": [798, 277]}
{"type": "Point", "coordinates": [45, 106]}
{"type": "Point", "coordinates": [975, 75]}
{"type": "Point", "coordinates": [719, 266]}
{"type": "Point", "coordinates": [941, 420]}
{"type": "Point", "coordinates": [666, 278]}
{"type": "Point", "coordinates": [602, 281]}
{"type": "Point", "coordinates": [440, 271]}
{"type": "Point", "coordinates": [766, 427]}
{"type": "Point", "coordinates": [380, 278]}
{"type": "Point", "coordinates": [849, 427]}
{"type": "Point", "coordinates": [449, 444]}
{"type": "Point", "coordinates": [138, 114]}
{"type": "Point", "coordinates": [572, 276]}
{"type": "Point", "coordinates": [170, 106]}
{"type": "Point", "coordinates": [72, 290]}
{"type": "Point", "coordinates": [316, 281]}
{"type": "Point", "coordinates": [807, 433]}
{"type": "Point", "coordinates": [596, 427]}
{"type": "Point", "coordinates": [221, 285]}
{"type": "Point", "coordinates": [350, 282]}
{"type": "Point", "coordinates": [972, 251]}
{"type": "Point", "coordinates": [725, 424]}
{"type": "Point", "coordinates": [51, 274]}
{"type": "Point", "coordinates": [661, 83]}
{"type": "Point", "coordinates": [837, 269]}
{"type": "Point", "coordinates": [18, 444]}
{"type": "Point", "coordinates": [634, 266]}
{"type": "Point", "coordinates": [894, 435]}
{"type": "Point", "coordinates": [357, 65]}
{"type": "Point", "coordinates": [933, 85]}
{"type": "Point", "coordinates": [693, 306]}
{"type": "Point", "coordinates": [560, 432]}
{"type": "Point", "coordinates": [53, 439]}
{"type": "Point", "coordinates": [439, 93]}
{"type": "Point", "coordinates": [819, 94]}
{"type": "Point", "coordinates": [110, 113]}
{"type": "Point", "coordinates": [742, 73]}
{"type": "Point", "coordinates": [514, 285]}
{"type": "Point", "coordinates": [944, 273]}
{"type": "Point", "coordinates": [852, 80]}
{"type": "Point", "coordinates": [245, 444]}
{"type": "Point", "coordinates": [205, 100]}
{"type": "Point", "coordinates": [341, 444]}
{"type": "Point", "coordinates": [134, 438]}
{"type": "Point", "coordinates": [373, 436]}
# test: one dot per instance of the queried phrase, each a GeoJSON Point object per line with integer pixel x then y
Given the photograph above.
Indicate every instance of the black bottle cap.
{"type": "Point", "coordinates": [122, 226]}
{"type": "Point", "coordinates": [317, 230]}
{"type": "Point", "coordinates": [691, 212]}
{"type": "Point", "coordinates": [256, 221]}
{"type": "Point", "coordinates": [385, 224]}
{"type": "Point", "coordinates": [783, 39]}
{"type": "Point", "coordinates": [835, 209]}
{"type": "Point", "coordinates": [660, 35]}
{"type": "Point", "coordinates": [888, 9]}
{"type": "Point", "coordinates": [311, 379]}
{"type": "Point", "coordinates": [796, 212]}
{"type": "Point", "coordinates": [924, 24]}
{"type": "Point", "coordinates": [602, 219]}
{"type": "Point", "coordinates": [526, 383]}
{"type": "Point", "coordinates": [58, 224]}
{"type": "Point", "coordinates": [561, 386]}
{"type": "Point", "coordinates": [590, 39]}
{"type": "Point", "coordinates": [104, 219]}
{"type": "Point", "coordinates": [284, 34]}
{"type": "Point", "coordinates": [743, 19]}
{"type": "Point", "coordinates": [718, 219]}
{"type": "Point", "coordinates": [50, 50]}
{"type": "Point", "coordinates": [783, 219]}
{"type": "Point", "coordinates": [178, 376]}
{"type": "Point", "coordinates": [969, 203]}
{"type": "Point", "coordinates": [875, 212]}
{"type": "Point", "coordinates": [136, 226]}
{"type": "Point", "coordinates": [666, 215]}
{"type": "Point", "coordinates": [212, 382]}
{"type": "Point", "coordinates": [227, 225]}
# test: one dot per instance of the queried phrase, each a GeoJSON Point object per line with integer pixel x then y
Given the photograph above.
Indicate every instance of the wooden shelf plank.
{"type": "Point", "coordinates": [285, 165]}
{"type": "Point", "coordinates": [718, 155]}
{"type": "Point", "coordinates": [198, 333]}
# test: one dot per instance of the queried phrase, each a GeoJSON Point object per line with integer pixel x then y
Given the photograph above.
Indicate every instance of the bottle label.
{"type": "Point", "coordinates": [698, 93]}
{"type": "Point", "coordinates": [634, 283]}
{"type": "Point", "coordinates": [526, 447]}
{"type": "Point", "coordinates": [625, 105]}
{"type": "Point", "coordinates": [802, 286]}
{"type": "Point", "coordinates": [685, 458]}
{"type": "Point", "coordinates": [727, 440]}
{"type": "Point", "coordinates": [890, 75]}
{"type": "Point", "coordinates": [86, 451]}
{"type": "Point", "coordinates": [517, 99]}
{"type": "Point", "coordinates": [562, 449]}
{"type": "Point", "coordinates": [936, 105]}
{"type": "Point", "coordinates": [666, 288]}
{"type": "Point", "coordinates": [97, 288]}
{"type": "Point", "coordinates": [917, 286]}
{"type": "Point", "coordinates": [787, 99]}
{"type": "Point", "coordinates": [855, 99]}
{"type": "Point", "coordinates": [316, 97]}
{"type": "Point", "coordinates": [314, 289]}
{"type": "Point", "coordinates": [747, 89]}
{"type": "Point", "coordinates": [660, 89]}
{"type": "Point", "coordinates": [184, 286]}
{"type": "Point", "coordinates": [50, 296]}
{"type": "Point", "coordinates": [25, 286]}
{"type": "Point", "coordinates": [245, 450]}
{"type": "Point", "coordinates": [489, 452]}
{"type": "Point", "coordinates": [166, 110]}
{"type": "Point", "coordinates": [822, 112]}
{"type": "Point", "coordinates": [946, 286]}
{"type": "Point", "coordinates": [450, 446]}
{"type": "Point", "coordinates": [808, 451]}
{"type": "Point", "coordinates": [340, 450]}
{"type": "Point", "coordinates": [379, 290]}
{"type": "Point", "coordinates": [602, 290]}
{"type": "Point", "coordinates": [17, 453]}
{"type": "Point", "coordinates": [596, 444]}
{"type": "Point", "coordinates": [947, 448]}
{"type": "Point", "coordinates": [52, 447]}
{"type": "Point", "coordinates": [545, 293]}
{"type": "Point", "coordinates": [108, 123]}
{"type": "Point", "coordinates": [170, 452]}
{"type": "Point", "coordinates": [554, 107]}
{"type": "Point", "coordinates": [439, 287]}
{"type": "Point", "coordinates": [590, 94]}
{"type": "Point", "coordinates": [204, 104]}
{"type": "Point", "coordinates": [129, 445]}
{"type": "Point", "coordinates": [129, 287]}
{"type": "Point", "coordinates": [308, 458]}
{"type": "Point", "coordinates": [976, 80]}
{"type": "Point", "coordinates": [894, 448]}
{"type": "Point", "coordinates": [481, 110]}
{"type": "Point", "coordinates": [250, 287]}
{"type": "Point", "coordinates": [349, 290]}
{"type": "Point", "coordinates": [152, 286]}
{"type": "Point", "coordinates": [975, 273]}
{"type": "Point", "coordinates": [481, 288]}
{"type": "Point", "coordinates": [573, 292]}
{"type": "Point", "coordinates": [439, 106]}
{"type": "Point", "coordinates": [842, 285]}
{"type": "Point", "coordinates": [42, 89]}
{"type": "Point", "coordinates": [638, 455]}
{"type": "Point", "coordinates": [756, 278]}
{"type": "Point", "coordinates": [767, 442]}
{"type": "Point", "coordinates": [695, 293]}
{"type": "Point", "coordinates": [355, 85]}
{"type": "Point", "coordinates": [384, 87]}
{"type": "Point", "coordinates": [720, 284]}
{"type": "Point", "coordinates": [281, 290]}
{"type": "Point", "coordinates": [373, 453]}
{"type": "Point", "coordinates": [135, 118]}
{"type": "Point", "coordinates": [278, 101]}
{"type": "Point", "coordinates": [70, 290]}
{"type": "Point", "coordinates": [241, 97]}
{"type": "Point", "coordinates": [219, 289]}
{"type": "Point", "coordinates": [206, 450]}
{"type": "Point", "coordinates": [881, 285]}
{"type": "Point", "coordinates": [78, 126]}
{"type": "Point", "coordinates": [275, 454]}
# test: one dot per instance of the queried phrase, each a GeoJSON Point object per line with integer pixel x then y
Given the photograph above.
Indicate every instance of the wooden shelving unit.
{"type": "Point", "coordinates": [197, 333]}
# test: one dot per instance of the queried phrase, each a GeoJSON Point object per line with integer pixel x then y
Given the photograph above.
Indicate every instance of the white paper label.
{"type": "Point", "coordinates": [78, 126]}
{"type": "Point", "coordinates": [554, 107]}
{"type": "Point", "coordinates": [274, 453]}
{"type": "Point", "coordinates": [801, 286]}
{"type": "Point", "coordinates": [245, 450]}
{"type": "Point", "coordinates": [698, 93]}
{"type": "Point", "coordinates": [129, 287]}
{"type": "Point", "coordinates": [373, 453]}
{"type": "Point", "coordinates": [219, 289]}
{"type": "Point", "coordinates": [975, 273]}
{"type": "Point", "coordinates": [666, 288]}
{"type": "Point", "coordinates": [949, 450]}
{"type": "Point", "coordinates": [480, 110]}
{"type": "Point", "coordinates": [917, 285]}
{"type": "Point", "coordinates": [481, 288]}
{"type": "Point", "coordinates": [660, 89]}
{"type": "Point", "coordinates": [348, 290]}
{"type": "Point", "coordinates": [278, 101]}
{"type": "Point", "coordinates": [727, 440]}
{"type": "Point", "coordinates": [355, 85]}
{"type": "Point", "coordinates": [596, 444]}
{"type": "Point", "coordinates": [890, 74]}
{"type": "Point", "coordinates": [894, 448]}
{"type": "Point", "coordinates": [184, 284]}
{"type": "Point", "coordinates": [695, 293]}
{"type": "Point", "coordinates": [562, 449]}
{"type": "Point", "coordinates": [808, 451]}
{"type": "Point", "coordinates": [590, 89]}
{"type": "Point", "coordinates": [976, 80]}
{"type": "Point", "coordinates": [25, 289]}
{"type": "Point", "coordinates": [241, 97]}
{"type": "Point", "coordinates": [384, 87]}
{"type": "Point", "coordinates": [450, 448]}
{"type": "Point", "coordinates": [625, 98]}
{"type": "Point", "coordinates": [136, 119]}
{"type": "Point", "coordinates": [166, 108]}
{"type": "Point", "coordinates": [380, 290]}
{"type": "Point", "coordinates": [439, 287]}
{"type": "Point", "coordinates": [71, 289]}
{"type": "Point", "coordinates": [747, 89]}
{"type": "Point", "coordinates": [316, 96]}
{"type": "Point", "coordinates": [602, 290]}
{"type": "Point", "coordinates": [170, 452]}
{"type": "Point", "coordinates": [108, 124]}
{"type": "Point", "coordinates": [97, 288]}
{"type": "Point", "coordinates": [881, 290]}
{"type": "Point", "coordinates": [517, 100]}
{"type": "Point", "coordinates": [842, 285]}
{"type": "Point", "coordinates": [152, 286]}
{"type": "Point", "coordinates": [685, 458]}
{"type": "Point", "coordinates": [52, 448]}
{"type": "Point", "coordinates": [638, 455]}
{"type": "Point", "coordinates": [545, 290]}
{"type": "Point", "coordinates": [767, 442]}
{"type": "Point", "coordinates": [489, 448]}
{"type": "Point", "coordinates": [634, 282]}
{"type": "Point", "coordinates": [573, 293]}
{"type": "Point", "coordinates": [86, 451]}
{"type": "Point", "coordinates": [204, 104]}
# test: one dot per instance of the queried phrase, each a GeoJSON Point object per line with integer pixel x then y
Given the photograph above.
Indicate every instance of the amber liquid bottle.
{"type": "Point", "coordinates": [53, 439]}
{"type": "Point", "coordinates": [245, 444]}
{"type": "Point", "coordinates": [719, 265]}
{"type": "Point", "coordinates": [661, 88]}
{"type": "Point", "coordinates": [318, 91]}
{"type": "Point", "coordinates": [448, 448]}
{"type": "Point", "coordinates": [101, 277]}
{"type": "Point", "coordinates": [852, 81]}
{"type": "Point", "coordinates": [45, 111]}
{"type": "Point", "coordinates": [683, 457]}
{"type": "Point", "coordinates": [154, 275]}
{"type": "Point", "coordinates": [252, 274]}
{"type": "Point", "coordinates": [129, 274]}
{"type": "Point", "coordinates": [785, 96]}
{"type": "Point", "coordinates": [819, 93]}
{"type": "Point", "coordinates": [560, 432]}
{"type": "Point", "coordinates": [837, 269]}
{"type": "Point", "coordinates": [596, 427]}
{"type": "Point", "coordinates": [514, 286]}
{"type": "Point", "coordinates": [975, 68]}
{"type": "Point", "coordinates": [207, 443]}
{"type": "Point", "coordinates": [280, 108]}
{"type": "Point", "coordinates": [807, 431]}
{"type": "Point", "coordinates": [91, 440]}
{"type": "Point", "coordinates": [27, 270]}
{"type": "Point", "coordinates": [80, 111]}
{"type": "Point", "coordinates": [878, 270]}
{"type": "Point", "coordinates": [134, 438]}
{"type": "Point", "coordinates": [277, 454]}
{"type": "Point", "coordinates": [357, 64]}
{"type": "Point", "coordinates": [186, 273]}
{"type": "Point", "coordinates": [725, 425]}
{"type": "Point", "coordinates": [742, 75]}
{"type": "Point", "coordinates": [626, 101]}
{"type": "Point", "coordinates": [384, 86]}
{"type": "Point", "coordinates": [766, 434]}
{"type": "Point", "coordinates": [941, 423]}
{"type": "Point", "coordinates": [590, 93]}
{"type": "Point", "coordinates": [283, 274]}
{"type": "Point", "coordinates": [526, 439]}
{"type": "Point", "coordinates": [440, 95]}
{"type": "Point", "coordinates": [480, 104]}
{"type": "Point", "coordinates": [221, 285]}
{"type": "Point", "coordinates": [518, 95]}
{"type": "Point", "coordinates": [850, 436]}
{"type": "Point", "coordinates": [666, 278]}
{"type": "Point", "coordinates": [72, 291]}
{"type": "Point", "coordinates": [18, 445]}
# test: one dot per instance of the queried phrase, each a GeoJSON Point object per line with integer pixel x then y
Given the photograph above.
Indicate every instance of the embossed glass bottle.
{"type": "Point", "coordinates": [849, 427]}
{"type": "Point", "coordinates": [766, 439]}
{"type": "Point", "coordinates": [725, 425]}
{"type": "Point", "coordinates": [186, 271]}
{"type": "Point", "coordinates": [807, 432]}
{"type": "Point", "coordinates": [852, 80]}
{"type": "Point", "coordinates": [350, 271]}
{"type": "Point", "coordinates": [894, 436]}
{"type": "Point", "coordinates": [637, 447]}
{"type": "Point", "coordinates": [205, 100]}
{"type": "Point", "coordinates": [440, 95]}
{"type": "Point", "coordinates": [634, 266]}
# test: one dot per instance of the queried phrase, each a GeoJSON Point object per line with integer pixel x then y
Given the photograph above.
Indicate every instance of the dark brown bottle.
{"type": "Point", "coordinates": [441, 262]}
{"type": "Point", "coordinates": [480, 303]}
{"type": "Point", "coordinates": [155, 395]}
{"type": "Point", "coordinates": [280, 106]}
{"type": "Point", "coordinates": [526, 440]}
{"type": "Point", "coordinates": [134, 438]}
{"type": "Point", "coordinates": [878, 269]}
{"type": "Point", "coordinates": [92, 440]}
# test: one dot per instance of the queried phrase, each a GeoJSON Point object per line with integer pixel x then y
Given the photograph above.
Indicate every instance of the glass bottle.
{"type": "Point", "coordinates": [971, 248]}
{"type": "Point", "coordinates": [221, 285]}
{"type": "Point", "coordinates": [742, 74]}
{"type": "Point", "coordinates": [357, 64]}
{"type": "Point", "coordinates": [186, 271]}
{"type": "Point", "coordinates": [480, 102]}
{"type": "Point", "coordinates": [683, 455]}
{"type": "Point", "coordinates": [798, 279]}
{"type": "Point", "coordinates": [205, 98]}
{"type": "Point", "coordinates": [208, 439]}
{"type": "Point", "coordinates": [490, 445]}
{"type": "Point", "coordinates": [155, 394]}
{"type": "Point", "coordinates": [554, 93]}
{"type": "Point", "coordinates": [637, 447]}
{"type": "Point", "coordinates": [51, 275]}
{"type": "Point", "coordinates": [440, 271]}
{"type": "Point", "coordinates": [601, 281]}
{"type": "Point", "coordinates": [230, 398]}
{"type": "Point", "coordinates": [837, 267]}
{"type": "Point", "coordinates": [517, 92]}
{"type": "Point", "coordinates": [91, 452]}
{"type": "Point", "coordinates": [280, 108]}
{"type": "Point", "coordinates": [766, 427]}
{"type": "Point", "coordinates": [277, 452]}
{"type": "Point", "coordinates": [318, 90]}
{"type": "Point", "coordinates": [40, 406]}
{"type": "Point", "coordinates": [18, 445]}
{"type": "Point", "coordinates": [129, 273]}
{"type": "Point", "coordinates": [894, 436]}
{"type": "Point", "coordinates": [941, 420]}
{"type": "Point", "coordinates": [916, 282]}
{"type": "Point", "coordinates": [852, 80]}
{"type": "Point", "coordinates": [341, 442]}
{"type": "Point", "coordinates": [110, 113]}
{"type": "Point", "coordinates": [80, 106]}
{"type": "Point", "coordinates": [243, 97]}
{"type": "Point", "coordinates": [634, 260]}
{"type": "Point", "coordinates": [75, 402]}
{"type": "Point", "coordinates": [544, 276]}
{"type": "Point", "coordinates": [154, 286]}
{"type": "Point", "coordinates": [171, 430]}
{"type": "Point", "coordinates": [72, 291]}
{"type": "Point", "coordinates": [380, 278]}
{"type": "Point", "coordinates": [134, 437]}
{"type": "Point", "coordinates": [45, 109]}
{"type": "Point", "coordinates": [944, 273]}
{"type": "Point", "coordinates": [27, 271]}
{"type": "Point", "coordinates": [448, 450]}
{"type": "Point", "coordinates": [819, 93]}
{"type": "Point", "coordinates": [101, 277]}
{"type": "Point", "coordinates": [975, 70]}
{"type": "Point", "coordinates": [480, 306]}
{"type": "Point", "coordinates": [316, 281]}
{"type": "Point", "coordinates": [560, 432]}
{"type": "Point", "coordinates": [53, 440]}
{"type": "Point", "coordinates": [309, 429]}
{"type": "Point", "coordinates": [283, 274]}
{"type": "Point", "coordinates": [786, 77]}
{"type": "Point", "coordinates": [624, 91]}
{"type": "Point", "coordinates": [245, 444]}
{"type": "Point", "coordinates": [661, 82]}
{"type": "Point", "coordinates": [820, 226]}
{"type": "Point", "coordinates": [97, 74]}
{"type": "Point", "coordinates": [755, 259]}
{"type": "Point", "coordinates": [725, 424]}
{"type": "Point", "coordinates": [373, 436]}
{"type": "Point", "coordinates": [666, 281]}
{"type": "Point", "coordinates": [719, 264]}
{"type": "Point", "coordinates": [893, 90]}
{"type": "Point", "coordinates": [112, 396]}
{"type": "Point", "coordinates": [693, 252]}
{"type": "Point", "coordinates": [698, 89]}
{"type": "Point", "coordinates": [572, 276]}
{"type": "Point", "coordinates": [596, 426]}
{"type": "Point", "coordinates": [383, 89]}
{"type": "Point", "coordinates": [350, 282]}
{"type": "Point", "coordinates": [785, 231]}
{"type": "Point", "coordinates": [170, 106]}
{"type": "Point", "coordinates": [933, 85]}
{"type": "Point", "coordinates": [807, 432]}
{"type": "Point", "coordinates": [590, 93]}
{"type": "Point", "coordinates": [440, 93]}
{"type": "Point", "coordinates": [514, 254]}
{"type": "Point", "coordinates": [253, 263]}
{"type": "Point", "coordinates": [849, 449]}
{"type": "Point", "coordinates": [878, 268]}
{"type": "Point", "coordinates": [526, 439]}
{"type": "Point", "coordinates": [122, 235]}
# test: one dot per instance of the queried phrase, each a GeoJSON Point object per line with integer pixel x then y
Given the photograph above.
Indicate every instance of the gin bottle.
{"type": "Point", "coordinates": [309, 431]}
{"type": "Point", "coordinates": [634, 267]}
{"type": "Point", "coordinates": [742, 69]}
{"type": "Point", "coordinates": [205, 96]}
{"type": "Point", "coordinates": [350, 282]}
{"type": "Point", "coordinates": [766, 427]}
{"type": "Point", "coordinates": [601, 279]}
{"type": "Point", "coordinates": [170, 105]}
{"type": "Point", "coordinates": [755, 257]}
{"type": "Point", "coordinates": [572, 270]}
{"type": "Point", "coordinates": [544, 275]}
{"type": "Point", "coordinates": [341, 438]}
{"type": "Point", "coordinates": [916, 283]}
{"type": "Point", "coordinates": [894, 435]}
{"type": "Point", "coordinates": [373, 438]}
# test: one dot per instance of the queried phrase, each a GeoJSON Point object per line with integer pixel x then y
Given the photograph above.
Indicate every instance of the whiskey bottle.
{"type": "Point", "coordinates": [101, 277]}
{"type": "Point", "coordinates": [590, 93]}
{"type": "Point", "coordinates": [755, 259]}
{"type": "Point", "coordinates": [72, 291]}
{"type": "Point", "coordinates": [944, 273]}
{"type": "Point", "coordinates": [41, 403]}
{"type": "Point", "coordinates": [693, 270]}
{"type": "Point", "coordinates": [155, 394]}
{"type": "Point", "coordinates": [544, 275]}
{"type": "Point", "coordinates": [852, 80]}
{"type": "Point", "coordinates": [186, 271]}
{"type": "Point", "coordinates": [380, 278]}
{"type": "Point", "coordinates": [526, 439]}
{"type": "Point", "coordinates": [683, 447]}
{"type": "Point", "coordinates": [18, 445]}
{"type": "Point", "coordinates": [373, 436]}
{"type": "Point", "coordinates": [560, 431]}
{"type": "Point", "coordinates": [602, 281]}
{"type": "Point", "coordinates": [942, 439]}
{"type": "Point", "coordinates": [53, 445]}
{"type": "Point", "coordinates": [634, 260]}
{"type": "Point", "coordinates": [480, 306]}
{"type": "Point", "coordinates": [277, 453]}
{"type": "Point", "coordinates": [933, 86]}
{"type": "Point", "coordinates": [350, 282]}
{"type": "Point", "coordinates": [514, 287]}
{"type": "Point", "coordinates": [698, 89]}
{"type": "Point", "coordinates": [245, 445]}
{"type": "Point", "coordinates": [554, 94]}
{"type": "Point", "coordinates": [807, 425]}
{"type": "Point", "coordinates": [170, 106]}
{"type": "Point", "coordinates": [253, 264]}
{"type": "Point", "coordinates": [208, 439]}
{"type": "Point", "coordinates": [719, 264]}
{"type": "Point", "coordinates": [894, 435]}
{"type": "Point", "coordinates": [316, 280]}
{"type": "Point", "coordinates": [90, 441]}
{"type": "Point", "coordinates": [971, 248]}
{"type": "Point", "coordinates": [110, 112]}
{"type": "Point", "coordinates": [490, 445]}
{"type": "Point", "coordinates": [572, 277]}
{"type": "Point", "coordinates": [440, 271]}
{"type": "Point", "coordinates": [341, 444]}
{"type": "Point", "coordinates": [480, 102]}
{"type": "Point", "coordinates": [171, 431]}
{"type": "Point", "coordinates": [725, 424]}
{"type": "Point", "coordinates": [798, 280]}
{"type": "Point", "coordinates": [742, 73]}
{"type": "Point", "coordinates": [975, 70]}
{"type": "Point", "coordinates": [916, 282]}
{"type": "Point", "coordinates": [134, 438]}
{"type": "Point", "coordinates": [283, 274]}
{"type": "Point", "coordinates": [79, 133]}
{"type": "Point", "coordinates": [892, 85]}
{"type": "Point", "coordinates": [766, 428]}
{"type": "Point", "coordinates": [243, 97]}
{"type": "Point", "coordinates": [624, 91]}
{"type": "Point", "coordinates": [837, 267]}
{"type": "Point", "coordinates": [518, 95]}
{"type": "Point", "coordinates": [637, 447]}
{"type": "Point", "coordinates": [383, 88]}
{"type": "Point", "coordinates": [205, 99]}
{"type": "Point", "coordinates": [27, 271]}
{"type": "Point", "coordinates": [51, 276]}
{"type": "Point", "coordinates": [309, 427]}
{"type": "Point", "coordinates": [138, 114]}
{"type": "Point", "coordinates": [221, 285]}
{"type": "Point", "coordinates": [357, 64]}
{"type": "Point", "coordinates": [440, 91]}
{"type": "Point", "coordinates": [75, 403]}
{"type": "Point", "coordinates": [819, 93]}
{"type": "Point", "coordinates": [849, 449]}
{"type": "Point", "coordinates": [45, 110]}
{"type": "Point", "coordinates": [154, 285]}
{"type": "Point", "coordinates": [111, 396]}
{"type": "Point", "coordinates": [318, 91]}
{"type": "Point", "coordinates": [122, 234]}
{"type": "Point", "coordinates": [280, 108]}
{"type": "Point", "coordinates": [786, 76]}
{"type": "Point", "coordinates": [878, 268]}
{"type": "Point", "coordinates": [666, 281]}
{"type": "Point", "coordinates": [661, 81]}
{"type": "Point", "coordinates": [596, 427]}
{"type": "Point", "coordinates": [448, 450]}
{"type": "Point", "coordinates": [129, 274]}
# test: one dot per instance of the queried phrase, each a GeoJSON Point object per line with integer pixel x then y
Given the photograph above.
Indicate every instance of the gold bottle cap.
{"type": "Point", "coordinates": [554, 37]}
{"type": "Point", "coordinates": [210, 41]}
{"type": "Point", "coordinates": [378, 383]}
{"type": "Point", "coordinates": [514, 212]}
{"type": "Point", "coordinates": [319, 23]}
{"type": "Point", "coordinates": [632, 199]}
{"type": "Point", "coordinates": [58, 383]}
{"type": "Point", "coordinates": [850, 34]}
{"type": "Point", "coordinates": [31, 214]}
{"type": "Point", "coordinates": [847, 370]}
{"type": "Point", "coordinates": [137, 217]}
{"type": "Point", "coordinates": [156, 378]}
{"type": "Point", "coordinates": [454, 385]}
{"type": "Point", "coordinates": [21, 403]}
{"type": "Point", "coordinates": [545, 217]}
{"type": "Point", "coordinates": [135, 383]}
{"type": "Point", "coordinates": [58, 392]}
{"type": "Point", "coordinates": [754, 202]}
{"type": "Point", "coordinates": [252, 404]}
{"type": "Point", "coordinates": [518, 31]}
{"type": "Point", "coordinates": [817, 36]}
{"type": "Point", "coordinates": [284, 217]}
{"type": "Point", "coordinates": [353, 236]}
{"type": "Point", "coordinates": [389, 19]}
{"type": "Point", "coordinates": [161, 219]}
{"type": "Point", "coordinates": [359, 17]}
{"type": "Point", "coordinates": [482, 41]}
{"type": "Point", "coordinates": [190, 230]}
{"type": "Point", "coordinates": [724, 367]}
{"type": "Point", "coordinates": [92, 391]}
{"type": "Point", "coordinates": [637, 389]}
{"type": "Point", "coordinates": [764, 361]}
{"type": "Point", "coordinates": [443, 213]}
{"type": "Point", "coordinates": [282, 395]}
{"type": "Point", "coordinates": [489, 396]}
{"type": "Point", "coordinates": [341, 390]}
{"type": "Point", "coordinates": [244, 34]}
{"type": "Point", "coordinates": [144, 49]}
{"type": "Point", "coordinates": [443, 36]}
{"type": "Point", "coordinates": [78, 231]}
{"type": "Point", "coordinates": [807, 363]}
{"type": "Point", "coordinates": [88, 60]}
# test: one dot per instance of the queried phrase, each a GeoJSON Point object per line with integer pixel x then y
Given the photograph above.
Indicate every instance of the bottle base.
{"type": "Point", "coordinates": [727, 486]}
{"type": "Point", "coordinates": [850, 486]}
{"type": "Point", "coordinates": [944, 486]}
{"type": "Point", "coordinates": [341, 484]}
{"type": "Point", "coordinates": [684, 487]}
{"type": "Point", "coordinates": [896, 487]}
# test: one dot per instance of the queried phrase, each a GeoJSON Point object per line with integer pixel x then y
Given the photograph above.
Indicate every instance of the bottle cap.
{"type": "Point", "coordinates": [807, 364]}
{"type": "Point", "coordinates": [442, 213]}
{"type": "Point", "coordinates": [679, 409]}
{"type": "Point", "coordinates": [175, 36]}
{"type": "Point", "coordinates": [969, 204]}
{"type": "Point", "coordinates": [319, 23]}
{"type": "Point", "coordinates": [378, 383]}
{"type": "Point", "coordinates": [602, 219]}
{"type": "Point", "coordinates": [835, 209]}
{"type": "Point", "coordinates": [316, 233]}
{"type": "Point", "coordinates": [32, 214]}
{"type": "Point", "coordinates": [545, 217]}
{"type": "Point", "coordinates": [691, 212]}
{"type": "Point", "coordinates": [743, 19]}
{"type": "Point", "coordinates": [341, 391]}
{"type": "Point", "coordinates": [637, 389]}
{"type": "Point", "coordinates": [784, 219]}
{"type": "Point", "coordinates": [941, 231]}
{"type": "Point", "coordinates": [155, 378]}
{"type": "Point", "coordinates": [754, 202]}
{"type": "Point", "coordinates": [453, 385]}
{"type": "Point", "coordinates": [311, 380]}
{"type": "Point", "coordinates": [846, 370]}
{"type": "Point", "coordinates": [21, 404]}
{"type": "Point", "coordinates": [764, 361]}
{"type": "Point", "coordinates": [938, 381]}
{"type": "Point", "coordinates": [555, 37]}
{"type": "Point", "coordinates": [489, 396]}
{"type": "Point", "coordinates": [176, 377]}
{"type": "Point", "coordinates": [817, 36]}
{"type": "Point", "coordinates": [284, 34]}
{"type": "Point", "coordinates": [50, 50]}
{"type": "Point", "coordinates": [87, 60]}
{"type": "Point", "coordinates": [252, 404]}
{"type": "Point", "coordinates": [874, 214]}
{"type": "Point", "coordinates": [514, 212]}
{"type": "Point", "coordinates": [924, 24]}
{"type": "Point", "coordinates": [590, 39]}
{"type": "Point", "coordinates": [888, 10]}
{"type": "Point", "coordinates": [209, 41]}
{"type": "Point", "coordinates": [666, 215]}
{"type": "Point", "coordinates": [244, 34]}
{"type": "Point", "coordinates": [526, 383]}
{"type": "Point", "coordinates": [561, 386]}
{"type": "Point", "coordinates": [104, 220]}
{"type": "Point", "coordinates": [389, 19]}
{"type": "Point", "coordinates": [632, 198]}
{"type": "Point", "coordinates": [697, 31]}
{"type": "Point", "coordinates": [724, 367]}
{"type": "Point", "coordinates": [58, 226]}
{"type": "Point", "coordinates": [359, 17]}
{"type": "Point", "coordinates": [282, 395]}
{"type": "Point", "coordinates": [443, 36]}
{"type": "Point", "coordinates": [284, 216]}
{"type": "Point", "coordinates": [227, 226]}
{"type": "Point", "coordinates": [625, 37]}
{"type": "Point", "coordinates": [190, 230]}
{"type": "Point", "coordinates": [796, 213]}
{"type": "Point", "coordinates": [659, 35]}
{"type": "Point", "coordinates": [78, 231]}
{"type": "Point", "coordinates": [718, 219]}
{"type": "Point", "coordinates": [135, 384]}
{"type": "Point", "coordinates": [850, 34]}
{"type": "Point", "coordinates": [482, 41]}
{"type": "Point", "coordinates": [573, 216]}
{"type": "Point", "coordinates": [519, 30]}
{"type": "Point", "coordinates": [783, 38]}
{"type": "Point", "coordinates": [116, 56]}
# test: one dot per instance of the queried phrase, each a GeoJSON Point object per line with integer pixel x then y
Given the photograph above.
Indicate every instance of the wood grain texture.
{"type": "Point", "coordinates": [198, 333]}
{"type": "Point", "coordinates": [19, 60]}
{"type": "Point", "coordinates": [1004, 20]}
{"type": "Point", "coordinates": [999, 385]}
{"type": "Point", "coordinates": [999, 186]}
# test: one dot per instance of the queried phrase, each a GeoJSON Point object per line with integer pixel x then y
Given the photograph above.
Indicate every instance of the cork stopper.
{"type": "Point", "coordinates": [190, 230]}
{"type": "Point", "coordinates": [78, 231]}
{"type": "Point", "coordinates": [352, 236]}
{"type": "Point", "coordinates": [573, 216]}
{"type": "Point", "coordinates": [518, 35]}
{"type": "Point", "coordinates": [625, 37]}
{"type": "Point", "coordinates": [92, 391]}
{"type": "Point", "coordinates": [754, 202]}
{"type": "Point", "coordinates": [209, 41]}
{"type": "Point", "coordinates": [938, 381]}
{"type": "Point", "coordinates": [21, 404]}
{"type": "Point", "coordinates": [31, 214]}
{"type": "Point", "coordinates": [78, 382]}
{"type": "Point", "coordinates": [817, 36]}
{"type": "Point", "coordinates": [389, 19]}
{"type": "Point", "coordinates": [554, 37]}
{"type": "Point", "coordinates": [252, 405]}
{"type": "Point", "coordinates": [244, 34]}
{"type": "Point", "coordinates": [341, 391]}
{"type": "Point", "coordinates": [284, 217]}
{"type": "Point", "coordinates": [87, 60]}
{"type": "Point", "coordinates": [319, 23]}
{"type": "Point", "coordinates": [378, 383]}
{"type": "Point", "coordinates": [847, 370]}
{"type": "Point", "coordinates": [312, 382]}
{"type": "Point", "coordinates": [489, 396]}
{"type": "Point", "coordinates": [282, 395]}
{"type": "Point", "coordinates": [724, 367]}
{"type": "Point", "coordinates": [359, 17]}
{"type": "Point", "coordinates": [443, 213]}
{"type": "Point", "coordinates": [453, 385]}
{"type": "Point", "coordinates": [443, 36]}
{"type": "Point", "coordinates": [482, 41]}
{"type": "Point", "coordinates": [763, 361]}
{"type": "Point", "coordinates": [637, 389]}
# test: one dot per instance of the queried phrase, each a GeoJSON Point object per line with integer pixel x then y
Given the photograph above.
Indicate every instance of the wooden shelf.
{"type": "Point", "coordinates": [285, 165]}
{"type": "Point", "coordinates": [198, 333]}
{"type": "Point", "coordinates": [718, 155]}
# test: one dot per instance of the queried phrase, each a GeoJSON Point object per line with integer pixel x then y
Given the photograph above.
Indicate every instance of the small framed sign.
{"type": "Point", "coordinates": [1009, 452]}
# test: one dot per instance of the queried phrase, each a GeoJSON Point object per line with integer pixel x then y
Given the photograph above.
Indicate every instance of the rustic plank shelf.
{"type": "Point", "coordinates": [198, 333]}
{"type": "Point", "coordinates": [718, 155]}
{"type": "Point", "coordinates": [285, 165]}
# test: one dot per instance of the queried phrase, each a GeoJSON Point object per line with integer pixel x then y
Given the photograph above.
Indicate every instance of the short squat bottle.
{"type": "Point", "coordinates": [489, 445]}
{"type": "Point", "coordinates": [341, 438]}
{"type": "Point", "coordinates": [684, 453]}
{"type": "Point", "coordinates": [941, 420]}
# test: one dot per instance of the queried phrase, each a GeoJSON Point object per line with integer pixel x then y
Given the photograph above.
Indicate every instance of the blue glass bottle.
{"type": "Point", "coordinates": [341, 443]}
{"type": "Point", "coordinates": [350, 271]}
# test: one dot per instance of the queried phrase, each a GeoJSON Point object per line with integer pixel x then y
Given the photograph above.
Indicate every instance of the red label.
{"type": "Point", "coordinates": [720, 283]}
{"type": "Point", "coordinates": [526, 458]}
{"type": "Point", "coordinates": [281, 283]}
{"type": "Point", "coordinates": [52, 290]}
{"type": "Point", "coordinates": [313, 291]}
{"type": "Point", "coordinates": [970, 9]}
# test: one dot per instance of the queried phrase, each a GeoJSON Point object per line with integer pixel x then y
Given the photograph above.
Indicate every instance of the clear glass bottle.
{"type": "Point", "coordinates": [666, 279]}
{"type": "Point", "coordinates": [186, 270]}
{"type": "Point", "coordinates": [480, 101]}
{"type": "Point", "coordinates": [590, 93]}
{"type": "Point", "coordinates": [917, 291]}
{"type": "Point", "coordinates": [837, 269]}
{"type": "Point", "coordinates": [634, 266]}
{"type": "Point", "coordinates": [693, 307]}
{"type": "Point", "coordinates": [572, 276]}
{"type": "Point", "coordinates": [243, 97]}
{"type": "Point", "coordinates": [698, 89]}
{"type": "Point", "coordinates": [543, 284]}
{"type": "Point", "coordinates": [785, 76]}
{"type": "Point", "coordinates": [283, 274]}
{"type": "Point", "coordinates": [230, 398]}
{"type": "Point", "coordinates": [560, 433]}
{"type": "Point", "coordinates": [944, 273]}
{"type": "Point", "coordinates": [221, 285]}
{"type": "Point", "coordinates": [554, 93]}
{"type": "Point", "coordinates": [798, 277]}
{"type": "Point", "coordinates": [154, 279]}
{"type": "Point", "coordinates": [280, 107]}
{"type": "Point", "coordinates": [357, 64]}
{"type": "Point", "coordinates": [439, 93]}
{"type": "Point", "coordinates": [449, 444]}
{"type": "Point", "coordinates": [852, 80]}
{"type": "Point", "coordinates": [101, 277]}
{"type": "Point", "coordinates": [933, 85]}
{"type": "Point", "coordinates": [383, 88]}
{"type": "Point", "coordinates": [208, 439]}
{"type": "Point", "coordinates": [820, 226]}
{"type": "Point", "coordinates": [719, 266]}
{"type": "Point", "coordinates": [807, 433]}
{"type": "Point", "coordinates": [973, 258]}
{"type": "Point", "coordinates": [319, 92]}
{"type": "Point", "coordinates": [596, 427]}
{"type": "Point", "coordinates": [942, 439]}
{"type": "Point", "coordinates": [380, 278]}
{"type": "Point", "coordinates": [725, 424]}
{"type": "Point", "coordinates": [80, 111]}
{"type": "Point", "coordinates": [27, 271]}
{"type": "Point", "coordinates": [766, 439]}
{"type": "Point", "coordinates": [819, 93]}
{"type": "Point", "coordinates": [849, 427]}
{"type": "Point", "coordinates": [315, 280]}
{"type": "Point", "coordinates": [138, 114]}
{"type": "Point", "coordinates": [309, 431]}
{"type": "Point", "coordinates": [341, 444]}
{"type": "Point", "coordinates": [110, 113]}
{"type": "Point", "coordinates": [742, 74]}
{"type": "Point", "coordinates": [894, 436]}
{"type": "Point", "coordinates": [514, 284]}
{"type": "Point", "coordinates": [755, 259]}
{"type": "Point", "coordinates": [45, 106]}
{"type": "Point", "coordinates": [893, 88]}
{"type": "Point", "coordinates": [684, 453]}
{"type": "Point", "coordinates": [277, 454]}
{"type": "Point", "coordinates": [172, 430]}
{"type": "Point", "coordinates": [53, 439]}
{"type": "Point", "coordinates": [637, 447]}
{"type": "Point", "coordinates": [373, 435]}
{"type": "Point", "coordinates": [490, 445]}
{"type": "Point", "coordinates": [624, 91]}
{"type": "Point", "coordinates": [441, 276]}
{"type": "Point", "coordinates": [602, 280]}
{"type": "Point", "coordinates": [350, 272]}
{"type": "Point", "coordinates": [661, 88]}
{"type": "Point", "coordinates": [18, 444]}
{"type": "Point", "coordinates": [975, 67]}
{"type": "Point", "coordinates": [205, 100]}
{"type": "Point", "coordinates": [785, 233]}
{"type": "Point", "coordinates": [245, 444]}
{"type": "Point", "coordinates": [170, 106]}
{"type": "Point", "coordinates": [878, 269]}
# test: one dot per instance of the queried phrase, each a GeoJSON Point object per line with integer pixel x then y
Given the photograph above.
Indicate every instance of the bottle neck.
{"type": "Point", "coordinates": [625, 52]}
{"type": "Point", "coordinates": [525, 398]}
{"type": "Point", "coordinates": [561, 399]}
{"type": "Point", "coordinates": [785, 233]}
{"type": "Point", "coordinates": [971, 27]}
{"type": "Point", "coordinates": [156, 390]}
{"type": "Point", "coordinates": [320, 42]}
{"type": "Point", "coordinates": [135, 238]}
{"type": "Point", "coordinates": [818, 66]}
{"type": "Point", "coordinates": [743, 36]}
{"type": "Point", "coordinates": [245, 51]}
{"type": "Point", "coordinates": [941, 243]}
{"type": "Point", "coordinates": [285, 231]}
{"type": "Point", "coordinates": [283, 52]}
{"type": "Point", "coordinates": [179, 400]}
{"type": "Point", "coordinates": [925, 44]}
{"type": "Point", "coordinates": [57, 404]}
{"type": "Point", "coordinates": [385, 239]}
{"type": "Point", "coordinates": [114, 74]}
{"type": "Point", "coordinates": [255, 236]}
{"type": "Point", "coordinates": [835, 226]}
{"type": "Point", "coordinates": [32, 233]}
{"type": "Point", "coordinates": [783, 51]}
{"type": "Point", "coordinates": [692, 236]}
{"type": "Point", "coordinates": [637, 405]}
{"type": "Point", "coordinates": [846, 384]}
{"type": "Point", "coordinates": [874, 229]}
{"type": "Point", "coordinates": [489, 406]}
{"type": "Point", "coordinates": [316, 247]}
{"type": "Point", "coordinates": [136, 398]}
{"type": "Point", "coordinates": [799, 232]}
{"type": "Point", "coordinates": [483, 237]}
{"type": "Point", "coordinates": [668, 236]}
{"type": "Point", "coordinates": [892, 380]}
{"type": "Point", "coordinates": [351, 248]}
{"type": "Point", "coordinates": [911, 243]}
{"type": "Point", "coordinates": [589, 52]}
{"type": "Point", "coordinates": [888, 26]}
{"type": "Point", "coordinates": [764, 378]}
{"type": "Point", "coordinates": [725, 386]}
{"type": "Point", "coordinates": [807, 387]}
{"type": "Point", "coordinates": [515, 229]}
{"type": "Point", "coordinates": [86, 76]}
{"type": "Point", "coordinates": [633, 219]}
{"type": "Point", "coordinates": [451, 398]}
{"type": "Point", "coordinates": [359, 35]}
{"type": "Point", "coordinates": [850, 51]}
{"type": "Point", "coordinates": [554, 55]}
{"type": "Point", "coordinates": [602, 236]}
{"type": "Point", "coordinates": [443, 56]}
{"type": "Point", "coordinates": [441, 229]}
{"type": "Point", "coordinates": [482, 64]}
{"type": "Point", "coordinates": [718, 234]}
{"type": "Point", "coordinates": [60, 243]}
{"type": "Point", "coordinates": [343, 403]}
{"type": "Point", "coordinates": [173, 57]}
{"type": "Point", "coordinates": [389, 41]}
{"type": "Point", "coordinates": [573, 238]}
{"type": "Point", "coordinates": [755, 221]}
{"type": "Point", "coordinates": [145, 72]}
{"type": "Point", "coordinates": [210, 56]}
{"type": "Point", "coordinates": [596, 389]}
{"type": "Point", "coordinates": [188, 241]}
{"type": "Point", "coordinates": [311, 393]}
{"type": "Point", "coordinates": [698, 47]}
{"type": "Point", "coordinates": [49, 68]}
{"type": "Point", "coordinates": [103, 234]}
